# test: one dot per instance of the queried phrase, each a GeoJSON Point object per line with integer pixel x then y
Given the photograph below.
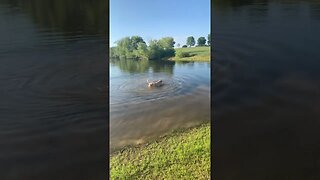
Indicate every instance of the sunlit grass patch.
{"type": "Point", "coordinates": [195, 54]}
{"type": "Point", "coordinates": [180, 155]}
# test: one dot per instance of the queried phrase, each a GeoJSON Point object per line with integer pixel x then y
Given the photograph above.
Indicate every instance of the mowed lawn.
{"type": "Point", "coordinates": [180, 155]}
{"type": "Point", "coordinates": [196, 54]}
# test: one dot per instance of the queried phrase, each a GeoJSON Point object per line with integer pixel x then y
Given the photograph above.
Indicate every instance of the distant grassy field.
{"type": "Point", "coordinates": [196, 54]}
{"type": "Point", "coordinates": [180, 155]}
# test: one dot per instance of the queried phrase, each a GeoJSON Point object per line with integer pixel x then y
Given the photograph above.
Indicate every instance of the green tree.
{"type": "Point", "coordinates": [167, 47]}
{"type": "Point", "coordinates": [113, 52]}
{"type": "Point", "coordinates": [166, 42]}
{"type": "Point", "coordinates": [130, 47]}
{"type": "Point", "coordinates": [178, 45]}
{"type": "Point", "coordinates": [154, 50]}
{"type": "Point", "coordinates": [209, 39]}
{"type": "Point", "coordinates": [162, 48]}
{"type": "Point", "coordinates": [135, 40]}
{"type": "Point", "coordinates": [123, 47]}
{"type": "Point", "coordinates": [201, 41]}
{"type": "Point", "coordinates": [142, 50]}
{"type": "Point", "coordinates": [191, 41]}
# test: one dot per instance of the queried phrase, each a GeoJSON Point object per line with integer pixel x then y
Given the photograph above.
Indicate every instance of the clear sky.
{"type": "Point", "coordinates": [154, 19]}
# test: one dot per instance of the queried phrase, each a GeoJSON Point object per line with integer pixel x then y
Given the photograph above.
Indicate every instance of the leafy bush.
{"type": "Point", "coordinates": [184, 46]}
{"type": "Point", "coordinates": [182, 54]}
{"type": "Point", "coordinates": [170, 52]}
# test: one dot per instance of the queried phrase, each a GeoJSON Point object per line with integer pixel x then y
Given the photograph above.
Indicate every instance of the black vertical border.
{"type": "Point", "coordinates": [107, 140]}
{"type": "Point", "coordinates": [212, 127]}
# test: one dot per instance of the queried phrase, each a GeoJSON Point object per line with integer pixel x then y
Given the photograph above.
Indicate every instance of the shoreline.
{"type": "Point", "coordinates": [197, 54]}
{"type": "Point", "coordinates": [183, 152]}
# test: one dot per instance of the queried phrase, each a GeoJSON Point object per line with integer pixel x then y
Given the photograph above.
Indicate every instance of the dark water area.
{"type": "Point", "coordinates": [266, 87]}
{"type": "Point", "coordinates": [53, 84]}
{"type": "Point", "coordinates": [139, 114]}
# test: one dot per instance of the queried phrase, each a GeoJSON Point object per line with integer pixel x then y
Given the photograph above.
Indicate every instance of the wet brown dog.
{"type": "Point", "coordinates": [155, 83]}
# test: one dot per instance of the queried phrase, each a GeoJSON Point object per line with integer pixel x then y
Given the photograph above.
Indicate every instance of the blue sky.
{"type": "Point", "coordinates": [154, 19]}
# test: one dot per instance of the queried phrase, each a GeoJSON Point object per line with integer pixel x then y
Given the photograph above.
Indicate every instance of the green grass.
{"type": "Point", "coordinates": [180, 155]}
{"type": "Point", "coordinates": [196, 54]}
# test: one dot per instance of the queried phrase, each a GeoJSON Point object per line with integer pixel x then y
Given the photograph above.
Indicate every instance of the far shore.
{"type": "Point", "coordinates": [200, 53]}
{"type": "Point", "coordinates": [197, 53]}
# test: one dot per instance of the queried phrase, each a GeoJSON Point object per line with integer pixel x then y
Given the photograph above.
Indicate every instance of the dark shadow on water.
{"type": "Point", "coordinates": [64, 16]}
{"type": "Point", "coordinates": [266, 84]}
{"type": "Point", "coordinates": [53, 115]}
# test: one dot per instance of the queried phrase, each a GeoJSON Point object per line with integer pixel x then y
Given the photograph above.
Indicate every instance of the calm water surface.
{"type": "Point", "coordinates": [139, 114]}
{"type": "Point", "coordinates": [266, 89]}
{"type": "Point", "coordinates": [53, 114]}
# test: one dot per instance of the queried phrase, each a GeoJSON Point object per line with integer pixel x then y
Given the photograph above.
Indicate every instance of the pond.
{"type": "Point", "coordinates": [266, 86]}
{"type": "Point", "coordinates": [139, 114]}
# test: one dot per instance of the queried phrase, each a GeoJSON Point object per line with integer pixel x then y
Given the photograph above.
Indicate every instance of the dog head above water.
{"type": "Point", "coordinates": [155, 83]}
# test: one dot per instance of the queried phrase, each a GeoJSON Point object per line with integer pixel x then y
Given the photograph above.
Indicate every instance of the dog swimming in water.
{"type": "Point", "coordinates": [155, 83]}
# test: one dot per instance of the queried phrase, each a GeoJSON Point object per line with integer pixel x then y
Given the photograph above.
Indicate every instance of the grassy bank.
{"type": "Point", "coordinates": [196, 54]}
{"type": "Point", "coordinates": [180, 155]}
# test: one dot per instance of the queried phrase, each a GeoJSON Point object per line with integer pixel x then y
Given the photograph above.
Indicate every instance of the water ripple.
{"type": "Point", "coordinates": [134, 89]}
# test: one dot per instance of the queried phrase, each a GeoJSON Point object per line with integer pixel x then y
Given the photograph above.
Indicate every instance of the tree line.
{"type": "Point", "coordinates": [135, 47]}
{"type": "Point", "coordinates": [200, 42]}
